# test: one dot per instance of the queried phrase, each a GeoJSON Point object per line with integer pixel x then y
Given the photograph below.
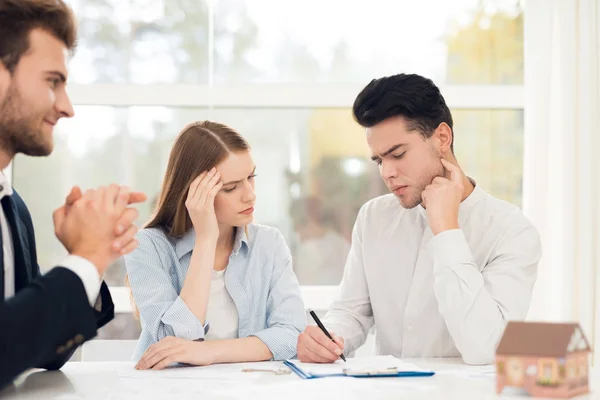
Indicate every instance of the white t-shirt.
{"type": "Point", "coordinates": [222, 313]}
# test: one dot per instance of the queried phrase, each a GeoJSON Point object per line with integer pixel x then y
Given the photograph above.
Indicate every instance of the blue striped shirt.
{"type": "Point", "coordinates": [259, 278]}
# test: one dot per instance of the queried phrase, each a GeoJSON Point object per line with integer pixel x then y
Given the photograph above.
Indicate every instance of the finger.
{"type": "Point", "coordinates": [152, 349]}
{"type": "Point", "coordinates": [129, 247]}
{"type": "Point", "coordinates": [109, 197]}
{"type": "Point", "coordinates": [149, 355]}
{"type": "Point", "coordinates": [319, 350]}
{"type": "Point", "coordinates": [318, 336]}
{"type": "Point", "coordinates": [155, 358]}
{"type": "Point", "coordinates": [137, 197]}
{"type": "Point", "coordinates": [166, 362]}
{"type": "Point", "coordinates": [122, 198]}
{"type": "Point", "coordinates": [339, 340]}
{"type": "Point", "coordinates": [435, 186]}
{"type": "Point", "coordinates": [213, 192]}
{"type": "Point", "coordinates": [313, 357]}
{"type": "Point", "coordinates": [455, 172]}
{"type": "Point", "coordinates": [160, 356]}
{"type": "Point", "coordinates": [125, 238]}
{"type": "Point", "coordinates": [162, 344]}
{"type": "Point", "coordinates": [440, 180]}
{"type": "Point", "coordinates": [424, 195]}
{"type": "Point", "coordinates": [89, 200]}
{"type": "Point", "coordinates": [142, 364]}
{"type": "Point", "coordinates": [194, 185]}
{"type": "Point", "coordinates": [74, 195]}
{"type": "Point", "coordinates": [204, 183]}
{"type": "Point", "coordinates": [58, 217]}
{"type": "Point", "coordinates": [212, 182]}
{"type": "Point", "coordinates": [127, 218]}
{"type": "Point", "coordinates": [100, 196]}
{"type": "Point", "coordinates": [89, 194]}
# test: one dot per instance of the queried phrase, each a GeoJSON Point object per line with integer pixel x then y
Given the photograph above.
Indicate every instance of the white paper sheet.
{"type": "Point", "coordinates": [374, 362]}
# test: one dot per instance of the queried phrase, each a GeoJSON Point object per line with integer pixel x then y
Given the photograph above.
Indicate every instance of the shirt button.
{"type": "Point", "coordinates": [410, 328]}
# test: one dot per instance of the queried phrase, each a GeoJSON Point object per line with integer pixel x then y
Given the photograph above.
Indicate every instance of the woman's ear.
{"type": "Point", "coordinates": [445, 136]}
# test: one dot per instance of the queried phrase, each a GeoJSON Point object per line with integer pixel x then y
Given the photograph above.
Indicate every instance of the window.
{"type": "Point", "coordinates": [583, 367]}
{"type": "Point", "coordinates": [548, 371]}
{"type": "Point", "coordinates": [311, 164]}
{"type": "Point", "coordinates": [340, 41]}
{"type": "Point", "coordinates": [571, 369]}
{"type": "Point", "coordinates": [462, 42]}
{"type": "Point", "coordinates": [119, 39]}
{"type": "Point", "coordinates": [285, 77]}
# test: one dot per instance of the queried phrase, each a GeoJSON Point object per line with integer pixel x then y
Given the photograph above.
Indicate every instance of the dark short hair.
{"type": "Point", "coordinates": [19, 17]}
{"type": "Point", "coordinates": [415, 98]}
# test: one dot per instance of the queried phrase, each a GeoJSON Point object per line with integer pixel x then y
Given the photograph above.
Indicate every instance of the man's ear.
{"type": "Point", "coordinates": [445, 137]}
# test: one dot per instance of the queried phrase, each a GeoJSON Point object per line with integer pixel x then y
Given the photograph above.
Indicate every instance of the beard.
{"type": "Point", "coordinates": [436, 169]}
{"type": "Point", "coordinates": [21, 133]}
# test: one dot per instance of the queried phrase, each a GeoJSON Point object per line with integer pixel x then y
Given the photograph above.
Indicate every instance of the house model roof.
{"type": "Point", "coordinates": [542, 339]}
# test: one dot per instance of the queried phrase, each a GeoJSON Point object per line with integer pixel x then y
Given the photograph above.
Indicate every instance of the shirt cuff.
{"type": "Point", "coordinates": [281, 342]}
{"type": "Point", "coordinates": [88, 274]}
{"type": "Point", "coordinates": [183, 322]}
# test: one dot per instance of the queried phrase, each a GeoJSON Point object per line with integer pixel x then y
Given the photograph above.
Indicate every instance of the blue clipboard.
{"type": "Point", "coordinates": [396, 374]}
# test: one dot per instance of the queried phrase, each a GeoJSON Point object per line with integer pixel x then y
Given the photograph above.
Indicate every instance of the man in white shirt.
{"type": "Point", "coordinates": [439, 266]}
{"type": "Point", "coordinates": [44, 318]}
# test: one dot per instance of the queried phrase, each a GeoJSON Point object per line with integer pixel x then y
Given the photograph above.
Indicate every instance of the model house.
{"type": "Point", "coordinates": [545, 359]}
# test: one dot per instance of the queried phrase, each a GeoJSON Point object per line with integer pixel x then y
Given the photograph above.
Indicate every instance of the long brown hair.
{"type": "Point", "coordinates": [19, 17]}
{"type": "Point", "coordinates": [199, 147]}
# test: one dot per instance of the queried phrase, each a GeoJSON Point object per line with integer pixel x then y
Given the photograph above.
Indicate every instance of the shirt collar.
{"type": "Point", "coordinates": [186, 243]}
{"type": "Point", "coordinates": [466, 205]}
{"type": "Point", "coordinates": [5, 187]}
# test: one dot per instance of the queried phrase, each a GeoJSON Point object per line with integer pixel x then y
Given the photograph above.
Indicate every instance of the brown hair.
{"type": "Point", "coordinates": [19, 17]}
{"type": "Point", "coordinates": [199, 147]}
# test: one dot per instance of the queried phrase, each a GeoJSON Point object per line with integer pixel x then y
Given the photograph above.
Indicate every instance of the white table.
{"type": "Point", "coordinates": [118, 380]}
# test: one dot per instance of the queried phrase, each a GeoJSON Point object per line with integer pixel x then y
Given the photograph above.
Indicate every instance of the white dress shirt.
{"type": "Point", "coordinates": [444, 296]}
{"type": "Point", "coordinates": [82, 267]}
{"type": "Point", "coordinates": [7, 244]}
{"type": "Point", "coordinates": [222, 312]}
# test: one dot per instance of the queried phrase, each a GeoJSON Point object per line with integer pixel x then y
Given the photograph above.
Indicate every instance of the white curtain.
{"type": "Point", "coordinates": [562, 146]}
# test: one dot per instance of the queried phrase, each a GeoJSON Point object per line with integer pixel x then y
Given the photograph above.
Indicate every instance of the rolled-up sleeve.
{"type": "Point", "coordinates": [286, 316]}
{"type": "Point", "coordinates": [162, 311]}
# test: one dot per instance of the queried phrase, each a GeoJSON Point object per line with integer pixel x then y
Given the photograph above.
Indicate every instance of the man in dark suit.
{"type": "Point", "coordinates": [43, 318]}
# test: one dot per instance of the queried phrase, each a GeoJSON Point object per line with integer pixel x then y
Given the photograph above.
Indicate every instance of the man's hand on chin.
{"type": "Point", "coordinates": [442, 199]}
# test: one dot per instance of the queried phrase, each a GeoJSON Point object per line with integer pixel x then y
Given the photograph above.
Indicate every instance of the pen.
{"type": "Point", "coordinates": [318, 321]}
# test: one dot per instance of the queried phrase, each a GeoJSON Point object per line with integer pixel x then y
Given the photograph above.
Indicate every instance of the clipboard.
{"type": "Point", "coordinates": [358, 373]}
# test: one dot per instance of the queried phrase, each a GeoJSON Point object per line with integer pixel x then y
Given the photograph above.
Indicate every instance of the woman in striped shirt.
{"type": "Point", "coordinates": [210, 285]}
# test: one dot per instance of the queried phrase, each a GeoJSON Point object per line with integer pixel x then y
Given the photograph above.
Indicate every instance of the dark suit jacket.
{"type": "Point", "coordinates": [50, 315]}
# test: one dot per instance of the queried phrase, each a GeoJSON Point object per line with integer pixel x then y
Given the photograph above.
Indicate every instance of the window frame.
{"type": "Point", "coordinates": [273, 96]}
